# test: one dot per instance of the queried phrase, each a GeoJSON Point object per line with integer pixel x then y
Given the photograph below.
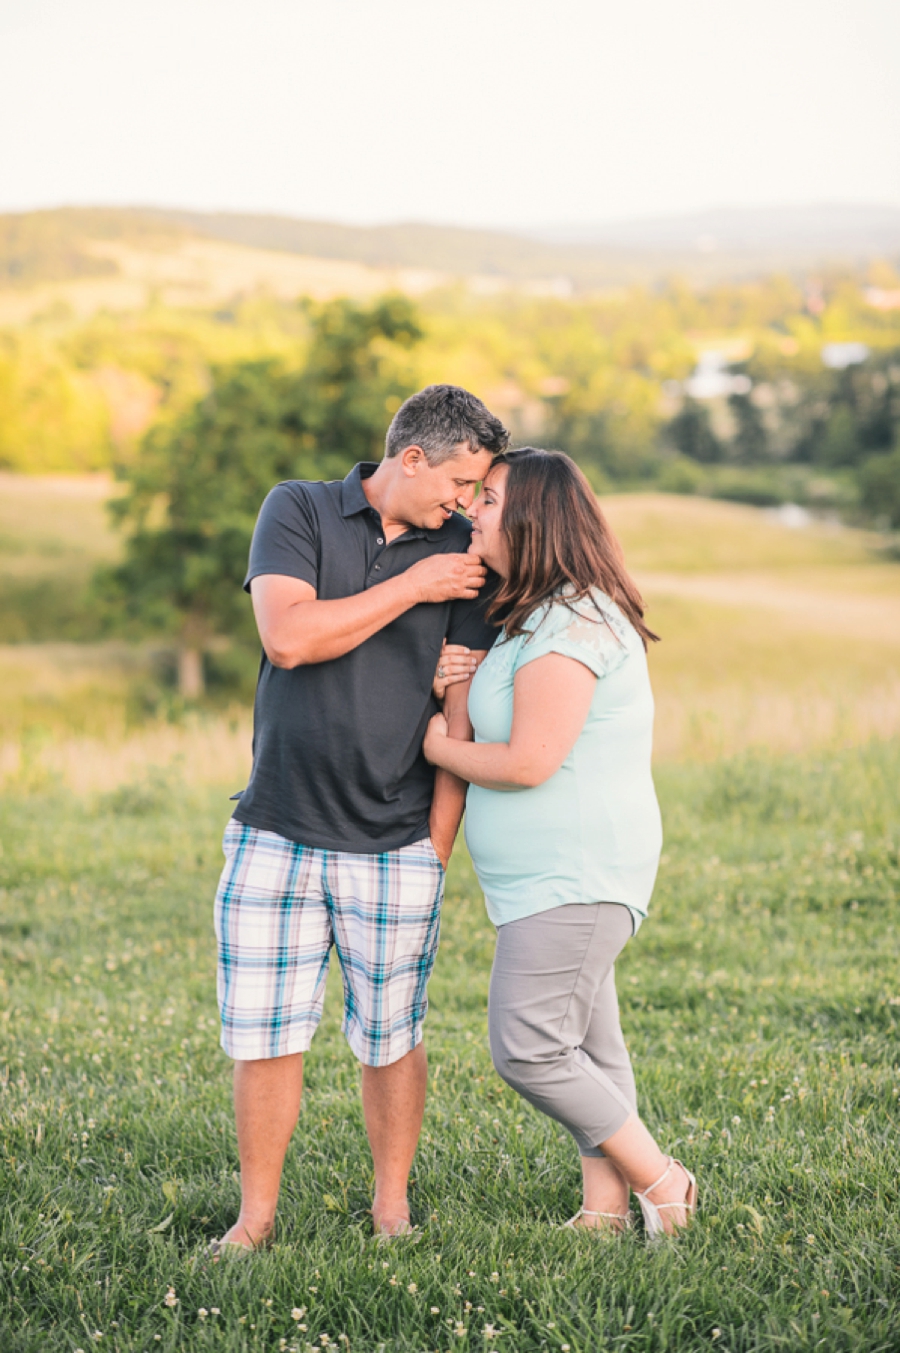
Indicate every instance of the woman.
{"type": "Point", "coordinates": [562, 822]}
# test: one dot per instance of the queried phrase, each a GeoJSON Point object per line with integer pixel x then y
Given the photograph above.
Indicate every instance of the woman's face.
{"type": "Point", "coordinates": [486, 512]}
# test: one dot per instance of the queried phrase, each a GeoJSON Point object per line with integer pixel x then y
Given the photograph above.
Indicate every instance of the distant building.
{"type": "Point", "coordinates": [711, 379]}
{"type": "Point", "coordinates": [879, 299]}
{"type": "Point", "coordinates": [838, 356]}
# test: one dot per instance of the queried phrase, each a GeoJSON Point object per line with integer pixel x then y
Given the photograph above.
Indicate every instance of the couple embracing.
{"type": "Point", "coordinates": [361, 588]}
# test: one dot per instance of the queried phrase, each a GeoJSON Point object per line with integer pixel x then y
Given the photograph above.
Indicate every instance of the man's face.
{"type": "Point", "coordinates": [433, 492]}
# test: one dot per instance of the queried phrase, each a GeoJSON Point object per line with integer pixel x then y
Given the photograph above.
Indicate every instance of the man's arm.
{"type": "Point", "coordinates": [296, 628]}
{"type": "Point", "coordinates": [449, 791]}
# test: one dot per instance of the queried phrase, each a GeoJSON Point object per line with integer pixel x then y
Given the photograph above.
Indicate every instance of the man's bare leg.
{"type": "Point", "coordinates": [394, 1103]}
{"type": "Point", "coordinates": [266, 1107]}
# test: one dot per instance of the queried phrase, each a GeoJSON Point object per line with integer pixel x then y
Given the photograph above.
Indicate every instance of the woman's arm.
{"type": "Point", "coordinates": [551, 700]}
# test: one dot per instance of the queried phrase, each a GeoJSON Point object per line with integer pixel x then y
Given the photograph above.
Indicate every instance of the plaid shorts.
{"type": "Point", "coordinates": [281, 906]}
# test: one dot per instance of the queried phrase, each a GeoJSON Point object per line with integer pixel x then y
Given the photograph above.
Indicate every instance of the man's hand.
{"type": "Point", "coordinates": [447, 577]}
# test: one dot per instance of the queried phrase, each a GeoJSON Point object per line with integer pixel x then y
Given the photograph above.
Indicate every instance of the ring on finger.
{"type": "Point", "coordinates": [440, 672]}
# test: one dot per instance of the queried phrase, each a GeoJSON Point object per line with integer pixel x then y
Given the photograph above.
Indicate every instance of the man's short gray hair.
{"type": "Point", "coordinates": [438, 418]}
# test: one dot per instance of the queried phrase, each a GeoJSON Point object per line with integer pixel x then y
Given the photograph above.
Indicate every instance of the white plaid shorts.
{"type": "Point", "coordinates": [280, 907]}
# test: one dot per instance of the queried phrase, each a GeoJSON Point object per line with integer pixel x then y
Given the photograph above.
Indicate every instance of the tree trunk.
{"type": "Point", "coordinates": [190, 673]}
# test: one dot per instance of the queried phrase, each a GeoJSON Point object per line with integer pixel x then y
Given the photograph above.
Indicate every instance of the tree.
{"type": "Point", "coordinates": [840, 443]}
{"type": "Point", "coordinates": [880, 483]}
{"type": "Point", "coordinates": [750, 444]}
{"type": "Point", "coordinates": [691, 432]}
{"type": "Point", "coordinates": [193, 494]}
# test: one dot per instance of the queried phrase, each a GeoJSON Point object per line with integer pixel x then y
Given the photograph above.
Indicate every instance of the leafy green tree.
{"type": "Point", "coordinates": [840, 444]}
{"type": "Point", "coordinates": [750, 444]}
{"type": "Point", "coordinates": [691, 432]}
{"type": "Point", "coordinates": [193, 494]}
{"type": "Point", "coordinates": [879, 480]}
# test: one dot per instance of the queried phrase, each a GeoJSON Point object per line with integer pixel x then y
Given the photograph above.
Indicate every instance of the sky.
{"type": "Point", "coordinates": [499, 113]}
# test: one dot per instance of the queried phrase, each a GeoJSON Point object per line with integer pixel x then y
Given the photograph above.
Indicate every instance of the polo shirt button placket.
{"type": "Point", "coordinates": [379, 540]}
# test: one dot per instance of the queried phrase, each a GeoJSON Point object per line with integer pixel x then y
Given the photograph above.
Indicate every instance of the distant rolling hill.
{"type": "Point", "coordinates": [95, 256]}
{"type": "Point", "coordinates": [837, 231]}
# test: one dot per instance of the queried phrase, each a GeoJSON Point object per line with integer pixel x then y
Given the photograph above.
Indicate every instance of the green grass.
{"type": "Point", "coordinates": [53, 534]}
{"type": "Point", "coordinates": [760, 1002]}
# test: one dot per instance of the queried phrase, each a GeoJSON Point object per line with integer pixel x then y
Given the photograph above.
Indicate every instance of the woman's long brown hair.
{"type": "Point", "coordinates": [556, 536]}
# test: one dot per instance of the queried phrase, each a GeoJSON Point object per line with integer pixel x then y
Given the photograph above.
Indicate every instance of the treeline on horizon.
{"type": "Point", "coordinates": [602, 378]}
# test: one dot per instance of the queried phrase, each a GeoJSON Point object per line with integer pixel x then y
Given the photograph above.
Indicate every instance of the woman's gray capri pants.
{"type": "Point", "coordinates": [553, 1016]}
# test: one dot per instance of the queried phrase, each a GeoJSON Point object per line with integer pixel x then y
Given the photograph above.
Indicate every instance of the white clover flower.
{"type": "Point", "coordinates": [170, 1298]}
{"type": "Point", "coordinates": [203, 1313]}
{"type": "Point", "coordinates": [411, 1287]}
{"type": "Point", "coordinates": [298, 1312]}
{"type": "Point", "coordinates": [435, 1310]}
{"type": "Point", "coordinates": [735, 1120]}
{"type": "Point", "coordinates": [488, 1331]}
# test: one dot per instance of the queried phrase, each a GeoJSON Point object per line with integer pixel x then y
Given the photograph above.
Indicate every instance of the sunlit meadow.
{"type": "Point", "coordinates": [760, 1001]}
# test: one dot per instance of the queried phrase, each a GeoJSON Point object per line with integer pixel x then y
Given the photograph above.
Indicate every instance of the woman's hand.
{"type": "Point", "coordinates": [435, 735]}
{"type": "Point", "coordinates": [456, 663]}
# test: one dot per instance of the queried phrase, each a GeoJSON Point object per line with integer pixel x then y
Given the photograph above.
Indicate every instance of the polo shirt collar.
{"type": "Point", "coordinates": [353, 497]}
{"type": "Point", "coordinates": [354, 500]}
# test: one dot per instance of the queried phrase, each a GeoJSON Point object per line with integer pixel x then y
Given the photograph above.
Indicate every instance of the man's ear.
{"type": "Point", "coordinates": [411, 459]}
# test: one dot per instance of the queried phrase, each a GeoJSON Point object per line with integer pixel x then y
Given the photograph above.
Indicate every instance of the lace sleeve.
{"type": "Point", "coordinates": [599, 639]}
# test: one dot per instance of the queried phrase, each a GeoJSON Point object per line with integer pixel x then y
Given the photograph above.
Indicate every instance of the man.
{"type": "Point", "coordinates": [344, 832]}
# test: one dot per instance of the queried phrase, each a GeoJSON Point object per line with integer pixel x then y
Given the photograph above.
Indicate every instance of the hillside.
{"type": "Point", "coordinates": [118, 258]}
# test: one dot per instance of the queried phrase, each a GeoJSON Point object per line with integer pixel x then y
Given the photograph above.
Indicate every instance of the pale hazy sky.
{"type": "Point", "coordinates": [475, 112]}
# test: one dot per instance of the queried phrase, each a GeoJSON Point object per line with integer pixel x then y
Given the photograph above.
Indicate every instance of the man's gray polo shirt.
{"type": "Point", "coordinates": [337, 746]}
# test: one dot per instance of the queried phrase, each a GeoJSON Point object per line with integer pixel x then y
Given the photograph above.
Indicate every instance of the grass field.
{"type": "Point", "coordinates": [760, 1002]}
{"type": "Point", "coordinates": [772, 638]}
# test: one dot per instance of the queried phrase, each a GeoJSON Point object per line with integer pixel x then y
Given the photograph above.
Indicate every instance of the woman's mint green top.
{"type": "Point", "coordinates": [592, 832]}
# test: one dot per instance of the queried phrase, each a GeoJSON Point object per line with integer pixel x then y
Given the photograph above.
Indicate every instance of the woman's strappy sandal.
{"type": "Point", "coordinates": [651, 1211]}
{"type": "Point", "coordinates": [625, 1218]}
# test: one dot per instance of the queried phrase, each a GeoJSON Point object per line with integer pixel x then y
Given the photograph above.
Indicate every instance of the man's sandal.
{"type": "Point", "coordinates": [228, 1249]}
{"type": "Point", "coordinates": [404, 1231]}
{"type": "Point", "coordinates": [625, 1218]}
{"type": "Point", "coordinates": [651, 1211]}
{"type": "Point", "coordinates": [232, 1249]}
